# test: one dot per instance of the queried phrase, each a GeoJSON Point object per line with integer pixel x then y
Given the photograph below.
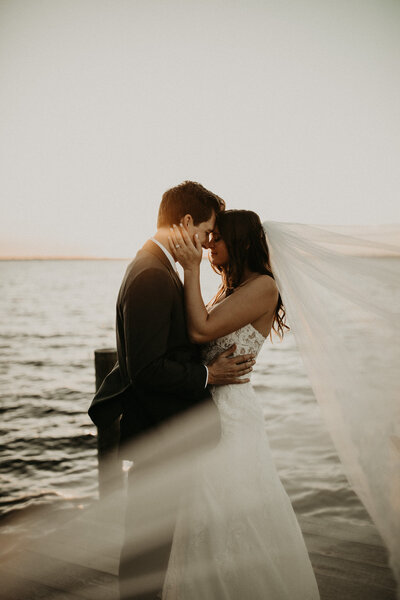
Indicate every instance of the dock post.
{"type": "Point", "coordinates": [110, 466]}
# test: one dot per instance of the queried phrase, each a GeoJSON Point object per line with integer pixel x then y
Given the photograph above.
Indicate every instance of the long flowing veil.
{"type": "Point", "coordinates": [341, 291]}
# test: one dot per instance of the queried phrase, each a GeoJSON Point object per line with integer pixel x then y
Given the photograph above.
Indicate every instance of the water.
{"type": "Point", "coordinates": [54, 314]}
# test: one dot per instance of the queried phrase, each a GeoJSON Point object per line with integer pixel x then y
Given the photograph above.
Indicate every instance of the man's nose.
{"type": "Point", "coordinates": [208, 243]}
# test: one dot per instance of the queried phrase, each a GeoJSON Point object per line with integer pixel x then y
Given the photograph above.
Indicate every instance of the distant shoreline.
{"type": "Point", "coordinates": [41, 258]}
{"type": "Point", "coordinates": [386, 254]}
{"type": "Point", "coordinates": [59, 258]}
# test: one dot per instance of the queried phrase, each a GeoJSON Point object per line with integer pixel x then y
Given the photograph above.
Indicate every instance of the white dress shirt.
{"type": "Point", "coordinates": [173, 264]}
{"type": "Point", "coordinates": [167, 254]}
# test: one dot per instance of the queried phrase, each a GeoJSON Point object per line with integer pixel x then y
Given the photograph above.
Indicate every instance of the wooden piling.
{"type": "Point", "coordinates": [110, 465]}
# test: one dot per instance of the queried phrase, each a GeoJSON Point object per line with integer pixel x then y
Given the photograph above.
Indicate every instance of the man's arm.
{"type": "Point", "coordinates": [227, 369]}
{"type": "Point", "coordinates": [147, 308]}
{"type": "Point", "coordinates": [147, 321]}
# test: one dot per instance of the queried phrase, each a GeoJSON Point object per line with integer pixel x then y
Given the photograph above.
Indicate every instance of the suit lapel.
{"type": "Point", "coordinates": [156, 251]}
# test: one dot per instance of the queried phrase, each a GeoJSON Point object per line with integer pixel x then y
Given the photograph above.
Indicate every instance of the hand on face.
{"type": "Point", "coordinates": [203, 229]}
{"type": "Point", "coordinates": [187, 253]}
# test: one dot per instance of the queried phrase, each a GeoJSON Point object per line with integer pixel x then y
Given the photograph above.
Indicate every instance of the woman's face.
{"type": "Point", "coordinates": [218, 251]}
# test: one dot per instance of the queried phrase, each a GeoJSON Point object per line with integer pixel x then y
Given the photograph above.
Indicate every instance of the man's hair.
{"type": "Point", "coordinates": [188, 198]}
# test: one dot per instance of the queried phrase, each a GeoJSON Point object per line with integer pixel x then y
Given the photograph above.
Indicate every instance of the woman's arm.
{"type": "Point", "coordinates": [248, 303]}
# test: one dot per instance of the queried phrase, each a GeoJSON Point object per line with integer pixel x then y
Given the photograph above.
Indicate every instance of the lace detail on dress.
{"type": "Point", "coordinates": [247, 339]}
{"type": "Point", "coordinates": [236, 403]}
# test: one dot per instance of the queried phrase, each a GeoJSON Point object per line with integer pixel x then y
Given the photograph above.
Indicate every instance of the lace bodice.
{"type": "Point", "coordinates": [247, 339]}
{"type": "Point", "coordinates": [238, 406]}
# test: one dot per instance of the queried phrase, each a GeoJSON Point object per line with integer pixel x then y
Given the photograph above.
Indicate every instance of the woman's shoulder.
{"type": "Point", "coordinates": [264, 283]}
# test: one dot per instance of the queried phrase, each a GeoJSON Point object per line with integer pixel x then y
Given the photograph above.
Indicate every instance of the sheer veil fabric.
{"type": "Point", "coordinates": [341, 291]}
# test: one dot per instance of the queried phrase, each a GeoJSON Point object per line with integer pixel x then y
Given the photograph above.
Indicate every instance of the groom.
{"type": "Point", "coordinates": [159, 374]}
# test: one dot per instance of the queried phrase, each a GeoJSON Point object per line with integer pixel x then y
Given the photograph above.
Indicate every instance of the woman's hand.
{"type": "Point", "coordinates": [187, 253]}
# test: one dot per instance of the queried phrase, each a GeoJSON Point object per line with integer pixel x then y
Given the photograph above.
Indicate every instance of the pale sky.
{"type": "Point", "coordinates": [289, 108]}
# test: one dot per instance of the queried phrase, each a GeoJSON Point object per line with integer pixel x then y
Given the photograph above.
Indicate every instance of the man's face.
{"type": "Point", "coordinates": [203, 230]}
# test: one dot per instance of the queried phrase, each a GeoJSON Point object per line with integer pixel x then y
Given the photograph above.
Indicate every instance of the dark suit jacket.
{"type": "Point", "coordinates": [158, 373]}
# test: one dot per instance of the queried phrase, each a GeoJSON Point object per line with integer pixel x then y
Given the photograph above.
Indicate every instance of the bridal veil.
{"type": "Point", "coordinates": [341, 290]}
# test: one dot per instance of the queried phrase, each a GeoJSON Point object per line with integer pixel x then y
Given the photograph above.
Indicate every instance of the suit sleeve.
{"type": "Point", "coordinates": [147, 320]}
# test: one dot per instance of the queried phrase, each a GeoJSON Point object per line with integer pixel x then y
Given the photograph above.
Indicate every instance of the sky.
{"type": "Point", "coordinates": [289, 108]}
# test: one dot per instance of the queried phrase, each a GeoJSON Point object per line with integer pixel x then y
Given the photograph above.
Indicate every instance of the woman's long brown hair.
{"type": "Point", "coordinates": [247, 246]}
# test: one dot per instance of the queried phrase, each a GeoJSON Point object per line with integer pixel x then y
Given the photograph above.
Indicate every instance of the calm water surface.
{"type": "Point", "coordinates": [54, 314]}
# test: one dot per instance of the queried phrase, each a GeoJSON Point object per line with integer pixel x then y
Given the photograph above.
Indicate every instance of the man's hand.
{"type": "Point", "coordinates": [226, 369]}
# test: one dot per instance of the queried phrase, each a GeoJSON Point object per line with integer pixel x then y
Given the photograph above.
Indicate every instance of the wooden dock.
{"type": "Point", "coordinates": [79, 561]}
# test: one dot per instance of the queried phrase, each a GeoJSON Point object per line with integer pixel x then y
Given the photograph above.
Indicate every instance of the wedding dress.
{"type": "Point", "coordinates": [236, 534]}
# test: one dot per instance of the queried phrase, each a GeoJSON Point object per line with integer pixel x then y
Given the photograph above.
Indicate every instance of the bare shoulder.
{"type": "Point", "coordinates": [264, 284]}
{"type": "Point", "coordinates": [261, 291]}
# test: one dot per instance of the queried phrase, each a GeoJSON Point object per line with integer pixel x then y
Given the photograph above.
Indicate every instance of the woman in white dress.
{"type": "Point", "coordinates": [236, 536]}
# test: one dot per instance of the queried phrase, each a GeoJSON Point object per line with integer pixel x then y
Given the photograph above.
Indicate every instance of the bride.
{"type": "Point", "coordinates": [236, 534]}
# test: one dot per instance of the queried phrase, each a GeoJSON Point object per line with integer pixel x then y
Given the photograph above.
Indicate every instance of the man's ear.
{"type": "Point", "coordinates": [186, 221]}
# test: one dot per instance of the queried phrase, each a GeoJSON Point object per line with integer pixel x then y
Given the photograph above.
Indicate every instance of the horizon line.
{"type": "Point", "coordinates": [4, 258]}
{"type": "Point", "coordinates": [16, 258]}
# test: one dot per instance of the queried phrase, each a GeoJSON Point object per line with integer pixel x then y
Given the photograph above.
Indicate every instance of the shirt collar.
{"type": "Point", "coordinates": [167, 254]}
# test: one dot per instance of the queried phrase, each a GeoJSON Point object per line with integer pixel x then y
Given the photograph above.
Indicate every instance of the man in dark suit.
{"type": "Point", "coordinates": [159, 374]}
